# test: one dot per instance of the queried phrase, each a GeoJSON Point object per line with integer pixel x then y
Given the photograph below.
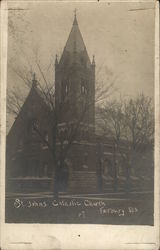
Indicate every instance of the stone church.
{"type": "Point", "coordinates": [29, 163]}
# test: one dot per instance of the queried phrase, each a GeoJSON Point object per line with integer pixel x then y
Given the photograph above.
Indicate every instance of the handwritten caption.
{"type": "Point", "coordinates": [100, 205]}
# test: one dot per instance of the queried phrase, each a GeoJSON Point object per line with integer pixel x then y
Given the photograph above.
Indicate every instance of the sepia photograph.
{"type": "Point", "coordinates": [80, 113]}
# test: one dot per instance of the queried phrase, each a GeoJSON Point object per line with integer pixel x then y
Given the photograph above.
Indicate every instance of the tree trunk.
{"type": "Point", "coordinates": [127, 184]}
{"type": "Point", "coordinates": [99, 167]}
{"type": "Point", "coordinates": [56, 182]}
{"type": "Point", "coordinates": [115, 182]}
{"type": "Point", "coordinates": [99, 177]}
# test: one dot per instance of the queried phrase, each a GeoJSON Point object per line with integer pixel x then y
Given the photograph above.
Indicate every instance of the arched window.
{"type": "Point", "coordinates": [85, 163]}
{"type": "Point", "coordinates": [34, 125]}
{"type": "Point", "coordinates": [83, 88]}
{"type": "Point", "coordinates": [66, 89]}
{"type": "Point", "coordinates": [32, 129]}
{"type": "Point", "coordinates": [46, 136]}
{"type": "Point", "coordinates": [107, 168]}
{"type": "Point", "coordinates": [45, 140]}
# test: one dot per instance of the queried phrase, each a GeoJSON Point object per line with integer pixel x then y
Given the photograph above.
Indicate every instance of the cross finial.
{"type": "Point", "coordinates": [75, 12]}
{"type": "Point", "coordinates": [56, 60]}
{"type": "Point", "coordinates": [93, 60]}
{"type": "Point", "coordinates": [34, 81]}
{"type": "Point", "coordinates": [75, 17]}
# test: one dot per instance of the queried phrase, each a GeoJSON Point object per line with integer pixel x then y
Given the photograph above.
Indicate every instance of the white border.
{"type": "Point", "coordinates": [47, 236]}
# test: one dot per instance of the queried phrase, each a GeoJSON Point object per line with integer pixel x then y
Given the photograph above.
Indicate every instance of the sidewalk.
{"type": "Point", "coordinates": [111, 195]}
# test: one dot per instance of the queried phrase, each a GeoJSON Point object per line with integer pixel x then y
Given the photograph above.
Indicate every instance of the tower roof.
{"type": "Point", "coordinates": [75, 44]}
{"type": "Point", "coordinates": [75, 41]}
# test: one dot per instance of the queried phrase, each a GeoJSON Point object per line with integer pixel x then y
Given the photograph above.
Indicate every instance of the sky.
{"type": "Point", "coordinates": [120, 35]}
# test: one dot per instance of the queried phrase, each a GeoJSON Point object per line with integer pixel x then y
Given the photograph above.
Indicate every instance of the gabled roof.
{"type": "Point", "coordinates": [75, 44]}
{"type": "Point", "coordinates": [34, 96]}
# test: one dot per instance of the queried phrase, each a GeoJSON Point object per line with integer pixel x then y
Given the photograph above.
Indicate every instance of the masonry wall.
{"type": "Point", "coordinates": [83, 182]}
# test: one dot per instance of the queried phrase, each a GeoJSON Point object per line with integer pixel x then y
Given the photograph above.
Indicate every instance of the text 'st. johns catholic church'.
{"type": "Point", "coordinates": [30, 165]}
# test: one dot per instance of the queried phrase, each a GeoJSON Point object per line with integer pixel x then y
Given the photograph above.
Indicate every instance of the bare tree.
{"type": "Point", "coordinates": [62, 137]}
{"type": "Point", "coordinates": [131, 125]}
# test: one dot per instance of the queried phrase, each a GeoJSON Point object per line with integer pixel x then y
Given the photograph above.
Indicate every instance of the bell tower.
{"type": "Point", "coordinates": [75, 81]}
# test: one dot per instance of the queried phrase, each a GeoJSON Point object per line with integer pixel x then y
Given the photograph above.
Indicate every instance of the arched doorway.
{"type": "Point", "coordinates": [107, 169]}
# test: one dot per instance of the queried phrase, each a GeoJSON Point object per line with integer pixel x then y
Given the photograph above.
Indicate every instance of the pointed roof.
{"type": "Point", "coordinates": [75, 43]}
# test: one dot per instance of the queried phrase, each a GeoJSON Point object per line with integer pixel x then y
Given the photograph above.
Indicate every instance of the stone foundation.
{"type": "Point", "coordinates": [83, 182]}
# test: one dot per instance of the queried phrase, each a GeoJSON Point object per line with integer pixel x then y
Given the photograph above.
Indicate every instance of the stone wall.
{"type": "Point", "coordinates": [29, 185]}
{"type": "Point", "coordinates": [83, 182]}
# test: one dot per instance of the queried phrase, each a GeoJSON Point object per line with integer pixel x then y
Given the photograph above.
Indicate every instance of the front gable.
{"type": "Point", "coordinates": [34, 108]}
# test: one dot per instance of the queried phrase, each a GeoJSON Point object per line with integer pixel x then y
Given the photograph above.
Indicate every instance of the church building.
{"type": "Point", "coordinates": [30, 162]}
